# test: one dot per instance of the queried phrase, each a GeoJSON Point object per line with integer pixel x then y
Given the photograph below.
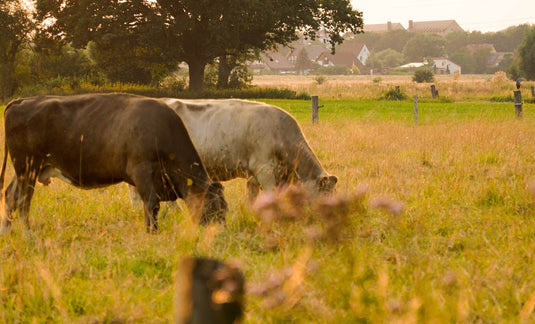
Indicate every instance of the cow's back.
{"type": "Point", "coordinates": [92, 137]}
{"type": "Point", "coordinates": [232, 134]}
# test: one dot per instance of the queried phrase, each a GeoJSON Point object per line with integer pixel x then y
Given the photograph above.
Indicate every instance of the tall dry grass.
{"type": "Point", "coordinates": [359, 87]}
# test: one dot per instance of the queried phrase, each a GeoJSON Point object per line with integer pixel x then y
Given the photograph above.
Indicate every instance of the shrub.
{"type": "Point", "coordinates": [423, 75]}
{"type": "Point", "coordinates": [320, 79]}
{"type": "Point", "coordinates": [500, 80]}
{"type": "Point", "coordinates": [394, 94]}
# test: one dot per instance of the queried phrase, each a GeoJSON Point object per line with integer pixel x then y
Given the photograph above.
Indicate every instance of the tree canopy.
{"type": "Point", "coordinates": [526, 53]}
{"type": "Point", "coordinates": [163, 32]}
{"type": "Point", "coordinates": [14, 29]}
{"type": "Point", "coordinates": [424, 45]}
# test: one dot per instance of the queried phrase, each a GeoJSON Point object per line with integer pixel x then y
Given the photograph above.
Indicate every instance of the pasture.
{"type": "Point", "coordinates": [461, 249]}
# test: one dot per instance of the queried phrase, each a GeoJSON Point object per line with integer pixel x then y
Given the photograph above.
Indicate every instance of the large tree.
{"type": "Point", "coordinates": [424, 45]}
{"type": "Point", "coordinates": [198, 31]}
{"type": "Point", "coordinates": [387, 58]}
{"type": "Point", "coordinates": [15, 26]}
{"type": "Point", "coordinates": [526, 54]}
{"type": "Point", "coordinates": [204, 30]}
{"type": "Point", "coordinates": [125, 38]}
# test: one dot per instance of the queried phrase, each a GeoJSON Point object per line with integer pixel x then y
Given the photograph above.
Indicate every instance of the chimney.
{"type": "Point", "coordinates": [411, 24]}
{"type": "Point", "coordinates": [389, 26]}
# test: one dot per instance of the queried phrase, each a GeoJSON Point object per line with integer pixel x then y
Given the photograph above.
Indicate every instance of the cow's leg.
{"type": "Point", "coordinates": [11, 198]}
{"type": "Point", "coordinates": [27, 187]}
{"type": "Point", "coordinates": [142, 176]}
{"type": "Point", "coordinates": [151, 205]}
{"type": "Point", "coordinates": [265, 177]}
{"type": "Point", "coordinates": [253, 189]}
{"type": "Point", "coordinates": [19, 195]}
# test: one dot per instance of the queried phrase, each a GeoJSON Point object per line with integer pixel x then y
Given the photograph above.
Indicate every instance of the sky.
{"type": "Point", "coordinates": [471, 15]}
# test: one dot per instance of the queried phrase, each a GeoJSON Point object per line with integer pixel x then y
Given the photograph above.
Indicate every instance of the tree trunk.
{"type": "Point", "coordinates": [196, 75]}
{"type": "Point", "coordinates": [7, 81]}
{"type": "Point", "coordinates": [223, 73]}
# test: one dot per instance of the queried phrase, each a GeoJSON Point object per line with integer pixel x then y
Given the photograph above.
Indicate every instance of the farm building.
{"type": "Point", "coordinates": [274, 61]}
{"type": "Point", "coordinates": [439, 27]}
{"type": "Point", "coordinates": [382, 28]}
{"type": "Point", "coordinates": [283, 61]}
{"type": "Point", "coordinates": [445, 66]}
{"type": "Point", "coordinates": [347, 54]}
{"type": "Point", "coordinates": [313, 51]}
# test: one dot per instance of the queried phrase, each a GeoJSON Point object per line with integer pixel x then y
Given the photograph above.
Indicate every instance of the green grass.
{"type": "Point", "coordinates": [461, 250]}
{"type": "Point", "coordinates": [403, 111]}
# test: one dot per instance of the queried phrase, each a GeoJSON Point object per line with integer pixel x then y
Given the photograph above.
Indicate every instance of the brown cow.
{"type": "Point", "coordinates": [95, 140]}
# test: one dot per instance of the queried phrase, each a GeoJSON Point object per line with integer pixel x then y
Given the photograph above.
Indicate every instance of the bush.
{"type": "Point", "coordinates": [173, 88]}
{"type": "Point", "coordinates": [394, 94]}
{"type": "Point", "coordinates": [423, 75]}
{"type": "Point", "coordinates": [320, 79]}
{"type": "Point", "coordinates": [500, 80]}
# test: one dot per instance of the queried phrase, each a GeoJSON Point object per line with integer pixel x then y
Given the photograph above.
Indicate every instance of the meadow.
{"type": "Point", "coordinates": [436, 223]}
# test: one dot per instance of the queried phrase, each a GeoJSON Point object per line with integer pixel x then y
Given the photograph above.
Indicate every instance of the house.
{"type": "Point", "coordinates": [496, 57]}
{"type": "Point", "coordinates": [313, 51]}
{"type": "Point", "coordinates": [348, 54]}
{"type": "Point", "coordinates": [347, 59]}
{"type": "Point", "coordinates": [441, 66]}
{"type": "Point", "coordinates": [382, 28]}
{"type": "Point", "coordinates": [277, 62]}
{"type": "Point", "coordinates": [445, 66]}
{"type": "Point", "coordinates": [439, 27]}
{"type": "Point", "coordinates": [360, 50]}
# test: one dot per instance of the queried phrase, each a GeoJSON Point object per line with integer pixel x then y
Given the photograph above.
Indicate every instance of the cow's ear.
{"type": "Point", "coordinates": [327, 183]}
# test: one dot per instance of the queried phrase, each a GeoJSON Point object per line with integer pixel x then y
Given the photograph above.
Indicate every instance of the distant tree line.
{"type": "Point", "coordinates": [394, 48]}
{"type": "Point", "coordinates": [142, 41]}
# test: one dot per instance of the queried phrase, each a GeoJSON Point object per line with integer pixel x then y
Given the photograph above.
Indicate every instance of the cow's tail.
{"type": "Point", "coordinates": [3, 172]}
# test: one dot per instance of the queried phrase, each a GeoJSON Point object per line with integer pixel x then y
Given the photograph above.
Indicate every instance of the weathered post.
{"type": "Point", "coordinates": [434, 91]}
{"type": "Point", "coordinates": [315, 109]}
{"type": "Point", "coordinates": [415, 110]}
{"type": "Point", "coordinates": [208, 291]}
{"type": "Point", "coordinates": [532, 91]}
{"type": "Point", "coordinates": [518, 103]}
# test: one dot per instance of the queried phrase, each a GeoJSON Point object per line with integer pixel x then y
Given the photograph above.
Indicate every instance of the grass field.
{"type": "Point", "coordinates": [365, 87]}
{"type": "Point", "coordinates": [461, 249]}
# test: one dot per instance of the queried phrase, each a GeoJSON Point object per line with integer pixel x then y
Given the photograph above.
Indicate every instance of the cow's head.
{"type": "Point", "coordinates": [324, 184]}
{"type": "Point", "coordinates": [208, 205]}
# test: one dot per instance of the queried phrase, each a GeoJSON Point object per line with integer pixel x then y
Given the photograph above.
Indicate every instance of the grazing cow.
{"type": "Point", "coordinates": [95, 140]}
{"type": "Point", "coordinates": [252, 140]}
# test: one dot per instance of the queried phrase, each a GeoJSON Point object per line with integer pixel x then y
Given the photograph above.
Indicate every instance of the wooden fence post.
{"type": "Point", "coordinates": [434, 91]}
{"type": "Point", "coordinates": [532, 91]}
{"type": "Point", "coordinates": [315, 109]}
{"type": "Point", "coordinates": [208, 291]}
{"type": "Point", "coordinates": [518, 103]}
{"type": "Point", "coordinates": [415, 110]}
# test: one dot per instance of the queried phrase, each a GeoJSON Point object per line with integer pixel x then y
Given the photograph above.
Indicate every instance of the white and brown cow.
{"type": "Point", "coordinates": [252, 140]}
{"type": "Point", "coordinates": [95, 140]}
